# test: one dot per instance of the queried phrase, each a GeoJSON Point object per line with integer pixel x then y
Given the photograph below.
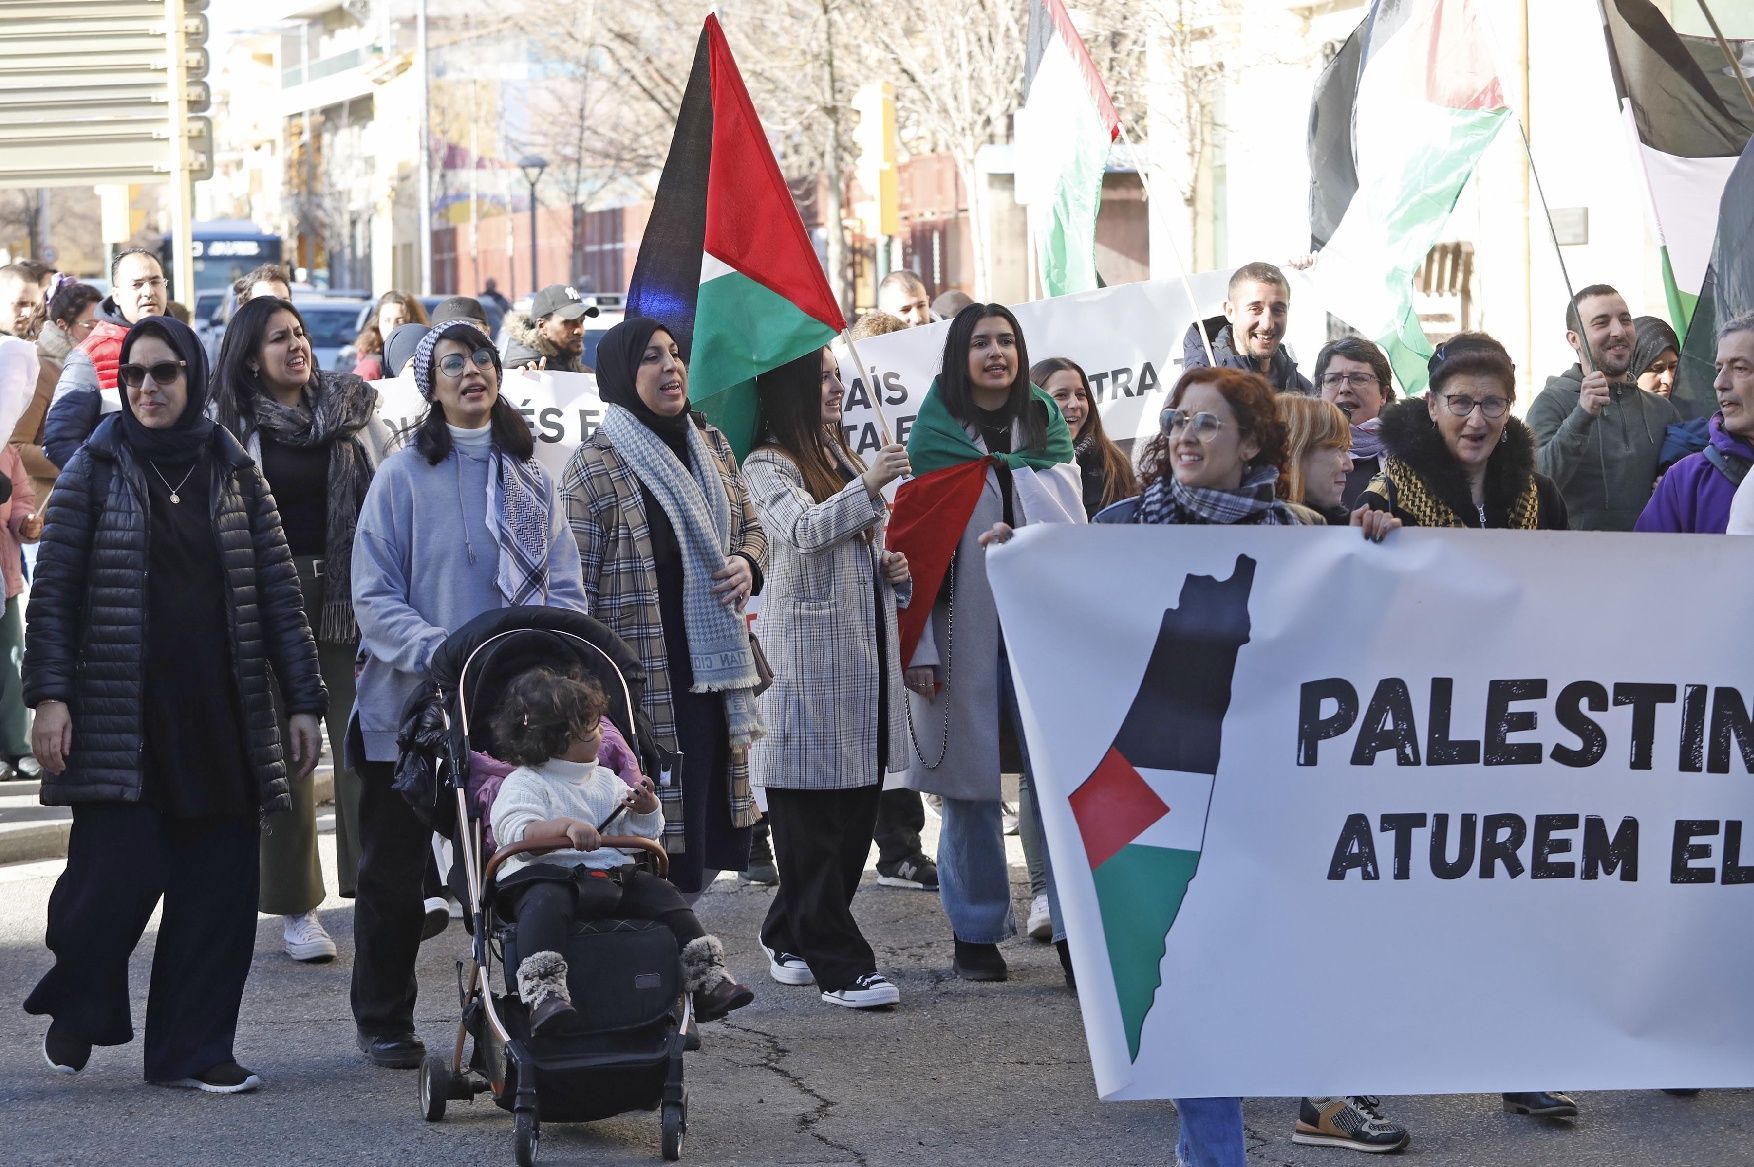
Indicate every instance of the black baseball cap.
{"type": "Point", "coordinates": [560, 300]}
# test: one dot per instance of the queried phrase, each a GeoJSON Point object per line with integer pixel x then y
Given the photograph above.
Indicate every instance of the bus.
{"type": "Point", "coordinates": [223, 250]}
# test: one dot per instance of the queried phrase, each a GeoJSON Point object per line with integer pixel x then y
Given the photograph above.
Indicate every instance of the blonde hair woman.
{"type": "Point", "coordinates": [1318, 458]}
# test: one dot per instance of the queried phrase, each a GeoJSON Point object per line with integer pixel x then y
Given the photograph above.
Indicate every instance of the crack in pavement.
{"type": "Point", "coordinates": [774, 1054]}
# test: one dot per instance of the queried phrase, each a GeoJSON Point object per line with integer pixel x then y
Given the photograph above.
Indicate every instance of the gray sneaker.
{"type": "Point", "coordinates": [917, 873]}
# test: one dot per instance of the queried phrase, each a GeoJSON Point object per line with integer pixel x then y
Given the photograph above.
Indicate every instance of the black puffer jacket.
{"type": "Point", "coordinates": [87, 618]}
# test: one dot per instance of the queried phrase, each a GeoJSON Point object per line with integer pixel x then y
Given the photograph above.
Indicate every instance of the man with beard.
{"type": "Point", "coordinates": [903, 294]}
{"type": "Point", "coordinates": [553, 337]}
{"type": "Point", "coordinates": [1251, 334]}
{"type": "Point", "coordinates": [87, 388]}
{"type": "Point", "coordinates": [1598, 435]}
{"type": "Point", "coordinates": [20, 298]}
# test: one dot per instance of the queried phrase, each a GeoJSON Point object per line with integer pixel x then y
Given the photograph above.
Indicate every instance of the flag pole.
{"type": "Point", "coordinates": [1729, 57]}
{"type": "Point", "coordinates": [871, 387]}
{"type": "Point", "coordinates": [1588, 359]}
{"type": "Point", "coordinates": [1174, 251]}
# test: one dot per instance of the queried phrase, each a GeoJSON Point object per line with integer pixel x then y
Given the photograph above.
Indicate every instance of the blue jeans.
{"type": "Point", "coordinates": [1211, 1132]}
{"type": "Point", "coordinates": [1029, 806]}
{"type": "Point", "coordinates": [974, 880]}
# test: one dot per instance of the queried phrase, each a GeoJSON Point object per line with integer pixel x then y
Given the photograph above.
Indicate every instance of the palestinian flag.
{"type": "Point", "coordinates": [725, 262]}
{"type": "Point", "coordinates": [1142, 812]}
{"type": "Point", "coordinates": [1063, 135]}
{"type": "Point", "coordinates": [1727, 294]}
{"type": "Point", "coordinates": [1423, 105]}
{"type": "Point", "coordinates": [932, 508]}
{"type": "Point", "coordinates": [1689, 120]}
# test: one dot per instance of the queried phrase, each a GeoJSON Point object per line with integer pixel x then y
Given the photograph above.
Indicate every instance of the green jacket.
{"type": "Point", "coordinates": [1605, 466]}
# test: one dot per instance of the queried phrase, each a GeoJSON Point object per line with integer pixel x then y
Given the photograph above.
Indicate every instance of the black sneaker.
{"type": "Point", "coordinates": [1542, 1104]}
{"type": "Point", "coordinates": [1354, 1123]}
{"type": "Point", "coordinates": [393, 1051]}
{"type": "Point", "coordinates": [917, 873]}
{"type": "Point", "coordinates": [65, 1053]}
{"type": "Point", "coordinates": [225, 1078]}
{"type": "Point", "coordinates": [979, 962]}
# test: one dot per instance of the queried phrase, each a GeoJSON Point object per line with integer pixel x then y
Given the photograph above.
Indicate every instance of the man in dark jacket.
{"type": "Point", "coordinates": [553, 337]}
{"type": "Point", "coordinates": [1598, 435]}
{"type": "Point", "coordinates": [1694, 497]}
{"type": "Point", "coordinates": [1251, 333]}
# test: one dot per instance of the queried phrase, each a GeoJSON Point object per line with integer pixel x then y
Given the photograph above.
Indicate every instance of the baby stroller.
{"type": "Point", "coordinates": [625, 1051]}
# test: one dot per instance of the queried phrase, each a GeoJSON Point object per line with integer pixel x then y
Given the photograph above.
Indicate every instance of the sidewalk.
{"type": "Point", "coordinates": [30, 831]}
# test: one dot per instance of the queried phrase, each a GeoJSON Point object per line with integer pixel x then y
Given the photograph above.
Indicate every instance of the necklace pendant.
{"type": "Point", "coordinates": [175, 497]}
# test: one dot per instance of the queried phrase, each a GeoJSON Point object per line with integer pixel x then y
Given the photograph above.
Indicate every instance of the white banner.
{"type": "Point", "coordinates": [1128, 340]}
{"type": "Point", "coordinates": [563, 409]}
{"type": "Point", "coordinates": [1448, 814]}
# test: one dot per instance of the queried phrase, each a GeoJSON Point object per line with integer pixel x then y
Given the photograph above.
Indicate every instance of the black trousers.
{"type": "Point", "coordinates": [821, 839]}
{"type": "Point", "coordinates": [394, 847]}
{"type": "Point", "coordinates": [901, 815]}
{"type": "Point", "coordinates": [122, 857]}
{"type": "Point", "coordinates": [545, 898]}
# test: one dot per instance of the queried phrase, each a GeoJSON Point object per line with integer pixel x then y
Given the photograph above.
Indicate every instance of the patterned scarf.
{"type": "Point", "coordinates": [694, 498]}
{"type": "Point", "coordinates": [1405, 490]}
{"type": "Point", "coordinates": [1366, 440]}
{"type": "Point", "coordinates": [1168, 502]}
{"type": "Point", "coordinates": [333, 412]}
{"type": "Point", "coordinates": [517, 502]}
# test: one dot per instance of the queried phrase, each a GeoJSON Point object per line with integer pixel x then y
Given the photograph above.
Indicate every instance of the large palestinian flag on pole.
{"type": "Point", "coordinates": [1728, 291]}
{"type": "Point", "coordinates": [1689, 119]}
{"type": "Point", "coordinates": [1425, 103]}
{"type": "Point", "coordinates": [725, 262]}
{"type": "Point", "coordinates": [1064, 131]}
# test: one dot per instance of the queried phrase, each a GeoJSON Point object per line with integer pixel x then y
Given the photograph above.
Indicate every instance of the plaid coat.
{"type": "Point", "coordinates": [607, 513]}
{"type": "Point", "coordinates": [820, 605]}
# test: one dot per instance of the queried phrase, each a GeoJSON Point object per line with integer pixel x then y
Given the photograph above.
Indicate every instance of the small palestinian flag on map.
{"type": "Point", "coordinates": [725, 264]}
{"type": "Point", "coordinates": [1142, 812]}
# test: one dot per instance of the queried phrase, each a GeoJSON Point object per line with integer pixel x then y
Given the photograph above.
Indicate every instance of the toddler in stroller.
{"type": "Point", "coordinates": [551, 726]}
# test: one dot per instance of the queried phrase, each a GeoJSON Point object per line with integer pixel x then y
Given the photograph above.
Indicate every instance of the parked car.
{"type": "Point", "coordinates": [332, 326]}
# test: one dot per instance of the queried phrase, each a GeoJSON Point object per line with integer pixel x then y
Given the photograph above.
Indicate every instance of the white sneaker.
{"type": "Point", "coordinates": [306, 939]}
{"type": "Point", "coordinates": [438, 916]}
{"type": "Point", "coordinates": [870, 991]}
{"type": "Point", "coordinates": [788, 968]}
{"type": "Point", "coordinates": [1041, 921]}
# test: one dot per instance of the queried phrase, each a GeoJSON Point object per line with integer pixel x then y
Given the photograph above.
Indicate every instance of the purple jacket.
{"type": "Point", "coordinates": [1694, 496]}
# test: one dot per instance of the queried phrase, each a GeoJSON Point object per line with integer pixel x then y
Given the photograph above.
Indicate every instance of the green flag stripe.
{"type": "Point", "coordinates": [1139, 892]}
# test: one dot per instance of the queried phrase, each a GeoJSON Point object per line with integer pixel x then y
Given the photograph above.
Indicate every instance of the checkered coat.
{"type": "Point", "coordinates": [607, 513]}
{"type": "Point", "coordinates": [820, 605]}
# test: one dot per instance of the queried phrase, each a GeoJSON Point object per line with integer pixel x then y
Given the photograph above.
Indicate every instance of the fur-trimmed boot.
{"type": "Point", "coordinates": [542, 987]}
{"type": "Point", "coordinates": [704, 975]}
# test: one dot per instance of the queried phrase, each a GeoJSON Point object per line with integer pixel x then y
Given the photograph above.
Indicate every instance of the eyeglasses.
{"type": "Point", "coordinates": [1205, 425]}
{"type": "Point", "coordinates": [163, 372]}
{"type": "Point", "coordinates": [1355, 380]}
{"type": "Point", "coordinates": [1492, 408]}
{"type": "Point", "coordinates": [454, 364]}
{"type": "Point", "coordinates": [154, 283]}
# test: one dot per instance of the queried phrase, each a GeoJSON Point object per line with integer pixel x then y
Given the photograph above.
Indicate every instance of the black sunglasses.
{"type": "Point", "coordinates": [163, 372]}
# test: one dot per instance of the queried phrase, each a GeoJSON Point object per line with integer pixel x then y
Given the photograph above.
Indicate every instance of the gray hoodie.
{"type": "Point", "coordinates": [1604, 466]}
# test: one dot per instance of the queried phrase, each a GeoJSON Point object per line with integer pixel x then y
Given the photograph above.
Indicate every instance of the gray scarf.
{"type": "Point", "coordinates": [333, 412]}
{"type": "Point", "coordinates": [1167, 501]}
{"type": "Point", "coordinates": [694, 499]}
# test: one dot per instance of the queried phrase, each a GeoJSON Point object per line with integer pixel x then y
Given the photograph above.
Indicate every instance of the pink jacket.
{"type": "Point", "coordinates": [487, 773]}
{"type": "Point", "coordinates": [13, 513]}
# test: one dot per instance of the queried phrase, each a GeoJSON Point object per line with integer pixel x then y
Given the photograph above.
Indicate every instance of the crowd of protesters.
{"type": "Point", "coordinates": [256, 522]}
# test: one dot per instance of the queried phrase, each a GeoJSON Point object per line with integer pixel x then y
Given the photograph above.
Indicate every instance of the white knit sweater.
{"type": "Point", "coordinates": [561, 789]}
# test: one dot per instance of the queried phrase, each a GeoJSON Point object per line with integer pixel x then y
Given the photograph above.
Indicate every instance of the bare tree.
{"type": "Point", "coordinates": [959, 79]}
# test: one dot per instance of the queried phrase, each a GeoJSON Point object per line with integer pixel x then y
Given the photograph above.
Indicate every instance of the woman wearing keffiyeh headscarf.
{"type": "Point", "coordinates": [460, 522]}
{"type": "Point", "coordinates": [672, 551]}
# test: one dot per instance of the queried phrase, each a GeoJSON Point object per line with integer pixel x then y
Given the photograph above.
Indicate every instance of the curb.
{"type": "Point", "coordinates": [29, 842]}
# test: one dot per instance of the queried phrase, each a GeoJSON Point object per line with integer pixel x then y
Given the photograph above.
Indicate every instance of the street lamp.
{"type": "Point", "coordinates": [533, 165]}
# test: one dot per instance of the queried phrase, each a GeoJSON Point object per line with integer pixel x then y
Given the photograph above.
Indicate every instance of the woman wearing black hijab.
{"type": "Point", "coordinates": [164, 592]}
{"type": "Point", "coordinates": [671, 550]}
